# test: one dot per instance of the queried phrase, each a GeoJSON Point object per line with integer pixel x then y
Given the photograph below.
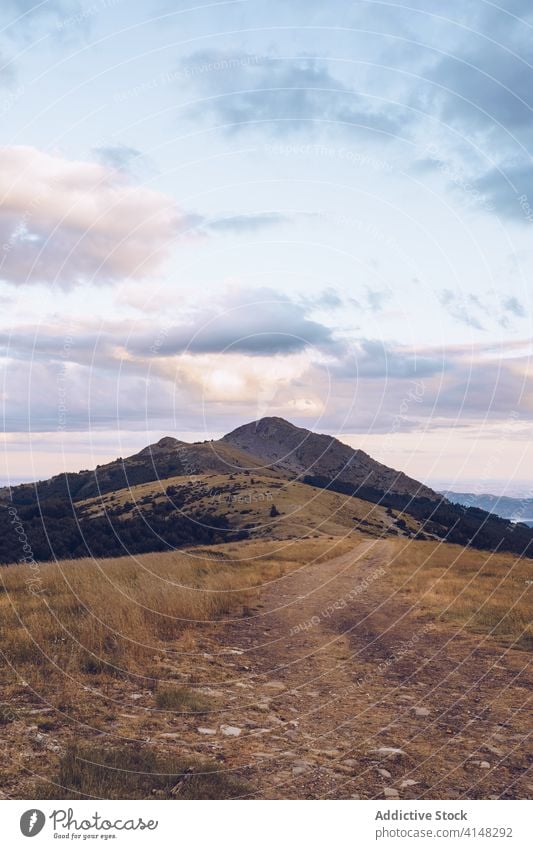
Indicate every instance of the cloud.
{"type": "Point", "coordinates": [246, 223]}
{"type": "Point", "coordinates": [119, 157]}
{"type": "Point", "coordinates": [481, 85]}
{"type": "Point", "coordinates": [484, 83]}
{"type": "Point", "coordinates": [25, 20]}
{"type": "Point", "coordinates": [74, 222]}
{"type": "Point", "coordinates": [329, 299]}
{"type": "Point", "coordinates": [510, 188]}
{"type": "Point", "coordinates": [455, 390]}
{"type": "Point", "coordinates": [376, 299]}
{"type": "Point", "coordinates": [514, 306]}
{"type": "Point", "coordinates": [245, 351]}
{"type": "Point", "coordinates": [38, 8]}
{"type": "Point", "coordinates": [42, 396]}
{"type": "Point", "coordinates": [129, 374]}
{"type": "Point", "coordinates": [463, 307]}
{"type": "Point", "coordinates": [240, 90]}
{"type": "Point", "coordinates": [495, 308]}
{"type": "Point", "coordinates": [496, 388]}
{"type": "Point", "coordinates": [262, 323]}
{"type": "Point", "coordinates": [371, 358]}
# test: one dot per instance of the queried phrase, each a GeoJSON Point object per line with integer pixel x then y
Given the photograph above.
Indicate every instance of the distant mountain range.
{"type": "Point", "coordinates": [267, 478]}
{"type": "Point", "coordinates": [515, 509]}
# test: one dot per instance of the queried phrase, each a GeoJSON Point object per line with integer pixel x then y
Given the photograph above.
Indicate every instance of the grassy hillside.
{"type": "Point", "coordinates": [165, 515]}
{"type": "Point", "coordinates": [262, 506]}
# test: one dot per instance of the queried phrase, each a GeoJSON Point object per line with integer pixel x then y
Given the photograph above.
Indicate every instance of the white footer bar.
{"type": "Point", "coordinates": [263, 825]}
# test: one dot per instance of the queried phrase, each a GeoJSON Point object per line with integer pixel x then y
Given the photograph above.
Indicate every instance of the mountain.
{"type": "Point", "coordinates": [166, 458]}
{"type": "Point", "coordinates": [515, 509]}
{"type": "Point", "coordinates": [304, 454]}
{"type": "Point", "coordinates": [264, 479]}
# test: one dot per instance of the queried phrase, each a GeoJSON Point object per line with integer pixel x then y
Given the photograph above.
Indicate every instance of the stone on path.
{"type": "Point", "coordinates": [230, 730]}
{"type": "Point", "coordinates": [388, 752]}
{"type": "Point", "coordinates": [384, 773]}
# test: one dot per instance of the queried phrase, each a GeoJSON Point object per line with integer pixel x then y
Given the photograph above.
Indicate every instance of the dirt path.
{"type": "Point", "coordinates": [341, 692]}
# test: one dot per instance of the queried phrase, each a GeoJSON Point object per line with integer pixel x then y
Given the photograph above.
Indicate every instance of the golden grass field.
{"type": "Point", "coordinates": [483, 592]}
{"type": "Point", "coordinates": [113, 615]}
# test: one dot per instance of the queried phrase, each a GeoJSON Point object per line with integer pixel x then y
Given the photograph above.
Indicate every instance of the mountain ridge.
{"type": "Point", "coordinates": [174, 493]}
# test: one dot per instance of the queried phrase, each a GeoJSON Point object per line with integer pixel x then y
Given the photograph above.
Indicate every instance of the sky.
{"type": "Point", "coordinates": [213, 212]}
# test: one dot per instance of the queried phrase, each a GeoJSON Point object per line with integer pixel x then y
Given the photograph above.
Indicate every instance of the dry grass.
{"type": "Point", "coordinates": [96, 771]}
{"type": "Point", "coordinates": [482, 592]}
{"type": "Point", "coordinates": [113, 616]}
{"type": "Point", "coordinates": [181, 699]}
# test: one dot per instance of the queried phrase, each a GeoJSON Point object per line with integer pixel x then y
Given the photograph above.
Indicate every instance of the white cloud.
{"type": "Point", "coordinates": [75, 222]}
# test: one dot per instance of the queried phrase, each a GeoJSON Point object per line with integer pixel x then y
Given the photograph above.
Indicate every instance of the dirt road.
{"type": "Point", "coordinates": [341, 691]}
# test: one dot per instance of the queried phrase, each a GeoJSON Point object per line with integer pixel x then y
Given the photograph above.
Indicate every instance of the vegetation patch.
{"type": "Point", "coordinates": [181, 699]}
{"type": "Point", "coordinates": [96, 771]}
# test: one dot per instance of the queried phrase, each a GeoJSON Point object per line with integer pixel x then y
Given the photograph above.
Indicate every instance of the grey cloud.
{"type": "Point", "coordinates": [108, 376]}
{"type": "Point", "coordinates": [375, 299]}
{"type": "Point", "coordinates": [262, 325]}
{"type": "Point", "coordinates": [486, 388]}
{"type": "Point", "coordinates": [249, 223]}
{"type": "Point", "coordinates": [514, 306]}
{"type": "Point", "coordinates": [375, 385]}
{"type": "Point", "coordinates": [470, 309]}
{"type": "Point", "coordinates": [240, 90]}
{"type": "Point", "coordinates": [119, 157]}
{"type": "Point", "coordinates": [510, 188]}
{"type": "Point", "coordinates": [44, 397]}
{"type": "Point", "coordinates": [375, 359]}
{"type": "Point", "coordinates": [463, 308]}
{"type": "Point", "coordinates": [38, 7]}
{"type": "Point", "coordinates": [22, 19]}
{"type": "Point", "coordinates": [233, 223]}
{"type": "Point", "coordinates": [268, 324]}
{"type": "Point", "coordinates": [483, 87]}
{"type": "Point", "coordinates": [329, 299]}
{"type": "Point", "coordinates": [455, 391]}
{"type": "Point", "coordinates": [487, 82]}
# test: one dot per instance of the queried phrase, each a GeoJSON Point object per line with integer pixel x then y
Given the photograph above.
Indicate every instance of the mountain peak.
{"type": "Point", "coordinates": [308, 455]}
{"type": "Point", "coordinates": [267, 426]}
{"type": "Point", "coordinates": [164, 445]}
